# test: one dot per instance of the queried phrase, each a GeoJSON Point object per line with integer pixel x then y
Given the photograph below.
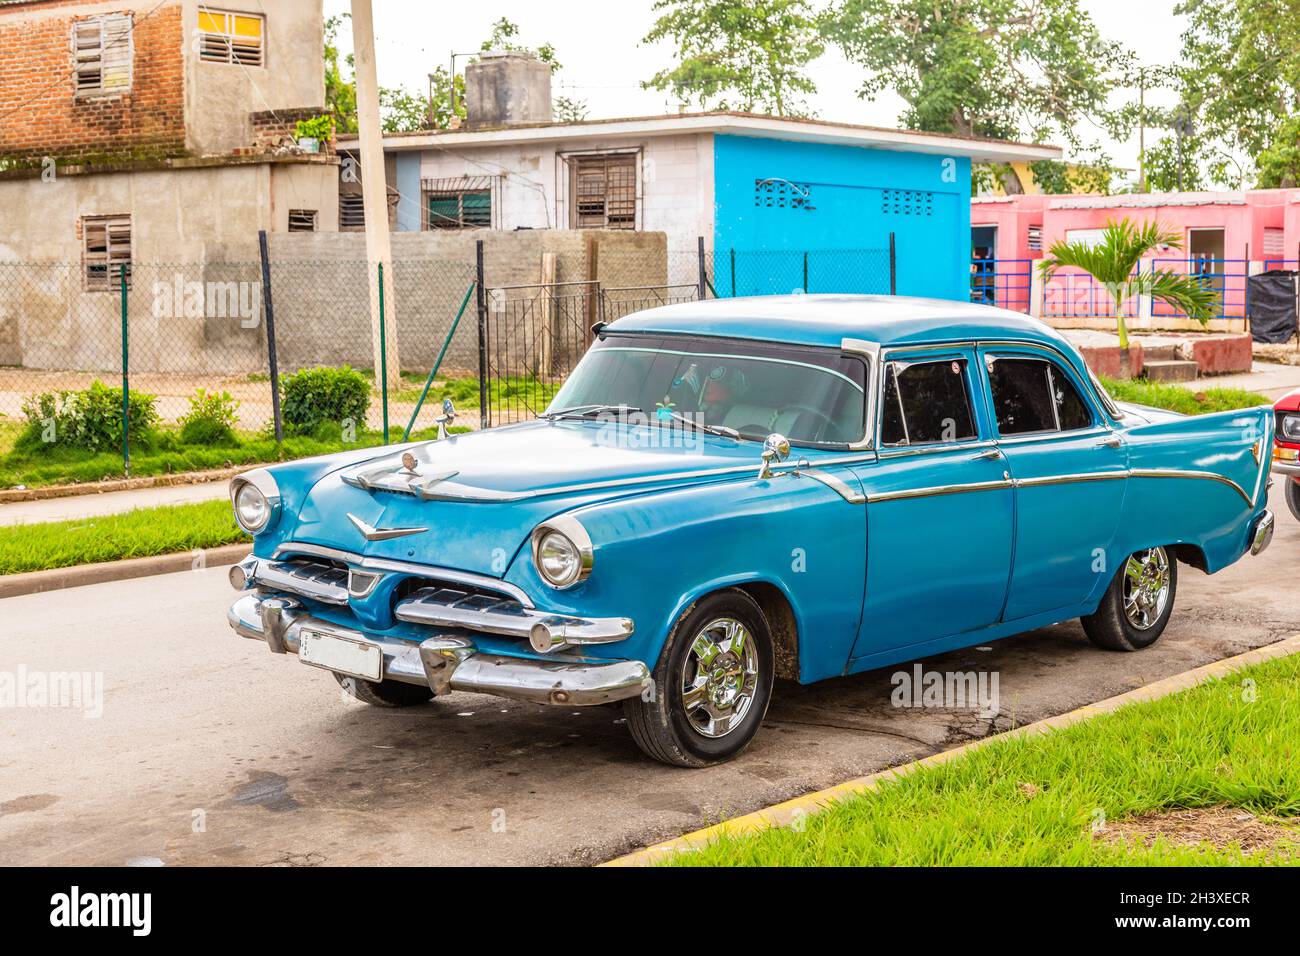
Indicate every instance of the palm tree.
{"type": "Point", "coordinates": [1113, 262]}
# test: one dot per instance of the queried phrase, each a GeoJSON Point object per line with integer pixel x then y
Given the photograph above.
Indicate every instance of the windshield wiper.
{"type": "Point", "coordinates": [581, 411]}
{"type": "Point", "coordinates": [721, 430]}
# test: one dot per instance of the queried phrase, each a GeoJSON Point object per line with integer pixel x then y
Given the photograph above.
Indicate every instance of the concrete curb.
{"type": "Point", "coordinates": [782, 814]}
{"type": "Point", "coordinates": [10, 495]}
{"type": "Point", "coordinates": [35, 582]}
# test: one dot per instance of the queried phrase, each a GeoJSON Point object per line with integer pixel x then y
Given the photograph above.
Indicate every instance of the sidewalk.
{"type": "Point", "coordinates": [1264, 377]}
{"type": "Point", "coordinates": [108, 503]}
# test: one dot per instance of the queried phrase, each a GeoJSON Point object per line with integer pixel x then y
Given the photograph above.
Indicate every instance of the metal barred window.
{"type": "Point", "coordinates": [603, 191]}
{"type": "Point", "coordinates": [106, 251]}
{"type": "Point", "coordinates": [352, 211]}
{"type": "Point", "coordinates": [102, 52]}
{"type": "Point", "coordinates": [231, 37]}
{"type": "Point", "coordinates": [460, 210]}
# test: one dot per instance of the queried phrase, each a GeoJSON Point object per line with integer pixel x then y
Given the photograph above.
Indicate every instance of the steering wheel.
{"type": "Point", "coordinates": [826, 420]}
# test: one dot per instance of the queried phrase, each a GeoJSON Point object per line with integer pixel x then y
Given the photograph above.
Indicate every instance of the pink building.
{"type": "Point", "coordinates": [1227, 237]}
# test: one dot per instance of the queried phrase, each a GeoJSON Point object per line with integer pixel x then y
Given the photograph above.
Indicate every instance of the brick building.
{"type": "Point", "coordinates": [157, 131]}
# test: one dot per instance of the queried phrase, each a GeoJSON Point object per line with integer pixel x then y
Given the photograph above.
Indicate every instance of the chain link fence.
{"type": "Point", "coordinates": [74, 335]}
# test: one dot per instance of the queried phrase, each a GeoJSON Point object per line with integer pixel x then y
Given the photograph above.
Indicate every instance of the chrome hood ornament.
{"type": "Point", "coordinates": [371, 533]}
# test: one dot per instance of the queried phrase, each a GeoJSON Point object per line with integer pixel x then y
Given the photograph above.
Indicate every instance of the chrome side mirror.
{"type": "Point", "coordinates": [448, 415]}
{"type": "Point", "coordinates": [776, 448]}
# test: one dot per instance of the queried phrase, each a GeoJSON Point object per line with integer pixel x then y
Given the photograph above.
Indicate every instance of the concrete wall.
{"type": "Point", "coordinates": [219, 97]}
{"type": "Point", "coordinates": [531, 187]}
{"type": "Point", "coordinates": [195, 224]}
{"type": "Point", "coordinates": [322, 305]}
{"type": "Point", "coordinates": [853, 202]}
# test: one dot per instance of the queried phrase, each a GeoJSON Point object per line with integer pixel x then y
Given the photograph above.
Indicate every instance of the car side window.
{"type": "Point", "coordinates": [1033, 395]}
{"type": "Point", "coordinates": [926, 402]}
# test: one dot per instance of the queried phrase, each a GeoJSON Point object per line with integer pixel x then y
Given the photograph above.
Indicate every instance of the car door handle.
{"type": "Point", "coordinates": [988, 454]}
{"type": "Point", "coordinates": [1111, 441]}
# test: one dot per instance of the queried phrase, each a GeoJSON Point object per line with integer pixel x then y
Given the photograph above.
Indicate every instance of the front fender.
{"type": "Point", "coordinates": [657, 553]}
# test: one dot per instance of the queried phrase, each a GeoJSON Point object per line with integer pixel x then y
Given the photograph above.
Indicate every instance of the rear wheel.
{"type": "Point", "coordinates": [1293, 497]}
{"type": "Point", "coordinates": [711, 686]}
{"type": "Point", "coordinates": [387, 693]}
{"type": "Point", "coordinates": [1137, 605]}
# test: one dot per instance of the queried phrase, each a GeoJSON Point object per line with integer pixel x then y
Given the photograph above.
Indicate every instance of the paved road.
{"type": "Point", "coordinates": [210, 750]}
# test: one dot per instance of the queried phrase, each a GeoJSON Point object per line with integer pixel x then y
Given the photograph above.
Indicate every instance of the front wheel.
{"type": "Point", "coordinates": [1293, 497]}
{"type": "Point", "coordinates": [386, 693]}
{"type": "Point", "coordinates": [711, 686]}
{"type": "Point", "coordinates": [1136, 607]}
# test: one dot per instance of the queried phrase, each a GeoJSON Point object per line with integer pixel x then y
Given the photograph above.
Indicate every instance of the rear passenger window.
{"type": "Point", "coordinates": [1033, 395]}
{"type": "Point", "coordinates": [926, 402]}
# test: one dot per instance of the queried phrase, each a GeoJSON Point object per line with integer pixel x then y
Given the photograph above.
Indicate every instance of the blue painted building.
{"type": "Point", "coordinates": [782, 204]}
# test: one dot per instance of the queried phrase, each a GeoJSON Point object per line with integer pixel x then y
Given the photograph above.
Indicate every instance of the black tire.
{"type": "Point", "coordinates": [388, 693]}
{"type": "Point", "coordinates": [659, 721]}
{"type": "Point", "coordinates": [1109, 627]}
{"type": "Point", "coordinates": [1293, 497]}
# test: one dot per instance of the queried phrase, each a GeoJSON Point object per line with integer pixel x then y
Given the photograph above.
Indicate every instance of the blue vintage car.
{"type": "Point", "coordinates": [727, 492]}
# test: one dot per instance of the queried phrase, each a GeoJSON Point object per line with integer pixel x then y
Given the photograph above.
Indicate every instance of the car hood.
{"type": "Point", "coordinates": [475, 498]}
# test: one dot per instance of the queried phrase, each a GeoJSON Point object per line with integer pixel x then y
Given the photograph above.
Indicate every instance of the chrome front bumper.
{"type": "Point", "coordinates": [1262, 536]}
{"type": "Point", "coordinates": [447, 662]}
{"type": "Point", "coordinates": [1290, 469]}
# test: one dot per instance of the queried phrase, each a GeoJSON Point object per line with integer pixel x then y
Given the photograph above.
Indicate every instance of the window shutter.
{"type": "Point", "coordinates": [117, 55]}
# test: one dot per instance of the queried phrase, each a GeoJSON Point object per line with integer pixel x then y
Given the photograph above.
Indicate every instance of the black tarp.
{"type": "Point", "coordinates": [1272, 312]}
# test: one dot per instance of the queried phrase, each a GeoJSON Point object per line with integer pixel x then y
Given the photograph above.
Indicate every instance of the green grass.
{"type": "Point", "coordinates": [133, 534]}
{"type": "Point", "coordinates": [55, 465]}
{"type": "Point", "coordinates": [1185, 400]}
{"type": "Point", "coordinates": [1204, 747]}
{"type": "Point", "coordinates": [509, 392]}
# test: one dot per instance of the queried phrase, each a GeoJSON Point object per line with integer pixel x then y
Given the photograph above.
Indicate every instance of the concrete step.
{"type": "Point", "coordinates": [1166, 370]}
{"type": "Point", "coordinates": [1160, 353]}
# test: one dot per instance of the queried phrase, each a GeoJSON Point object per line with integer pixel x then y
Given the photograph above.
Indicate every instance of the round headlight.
{"type": "Point", "coordinates": [1291, 427]}
{"type": "Point", "coordinates": [562, 551]}
{"type": "Point", "coordinates": [558, 559]}
{"type": "Point", "coordinates": [252, 509]}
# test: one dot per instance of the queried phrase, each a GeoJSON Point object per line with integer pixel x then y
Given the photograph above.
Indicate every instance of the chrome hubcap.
{"type": "Point", "coordinates": [720, 677]}
{"type": "Point", "coordinates": [1146, 587]}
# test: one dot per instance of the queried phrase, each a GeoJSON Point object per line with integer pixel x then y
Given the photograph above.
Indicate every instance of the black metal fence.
{"type": "Point", "coordinates": [81, 337]}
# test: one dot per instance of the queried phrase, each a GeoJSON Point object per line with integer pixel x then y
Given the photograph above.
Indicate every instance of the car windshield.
{"type": "Point", "coordinates": [811, 395]}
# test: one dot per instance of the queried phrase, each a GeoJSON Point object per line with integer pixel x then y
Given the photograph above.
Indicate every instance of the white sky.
{"type": "Point", "coordinates": [599, 44]}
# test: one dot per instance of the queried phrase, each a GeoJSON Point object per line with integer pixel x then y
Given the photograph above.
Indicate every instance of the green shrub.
{"type": "Point", "coordinates": [324, 394]}
{"type": "Point", "coordinates": [211, 419]}
{"type": "Point", "coordinates": [90, 419]}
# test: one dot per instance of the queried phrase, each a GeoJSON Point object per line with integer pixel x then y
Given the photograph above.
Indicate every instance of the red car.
{"type": "Point", "coordinates": [1286, 453]}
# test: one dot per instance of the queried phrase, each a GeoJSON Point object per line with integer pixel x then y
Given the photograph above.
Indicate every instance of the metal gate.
{"type": "Point", "coordinates": [530, 338]}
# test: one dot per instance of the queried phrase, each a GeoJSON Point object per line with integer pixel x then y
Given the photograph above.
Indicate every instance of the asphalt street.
{"type": "Point", "coordinates": [211, 750]}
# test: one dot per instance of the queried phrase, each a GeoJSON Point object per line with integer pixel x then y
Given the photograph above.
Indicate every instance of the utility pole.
{"type": "Point", "coordinates": [1142, 129]}
{"type": "Point", "coordinates": [374, 193]}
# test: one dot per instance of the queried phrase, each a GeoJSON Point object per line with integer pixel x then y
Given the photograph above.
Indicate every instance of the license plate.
{"type": "Point", "coordinates": [340, 654]}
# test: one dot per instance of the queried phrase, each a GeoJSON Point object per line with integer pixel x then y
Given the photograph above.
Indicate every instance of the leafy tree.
{"type": "Point", "coordinates": [748, 55]}
{"type": "Point", "coordinates": [1004, 69]}
{"type": "Point", "coordinates": [1113, 262]}
{"type": "Point", "coordinates": [569, 110]}
{"type": "Point", "coordinates": [1239, 85]}
{"type": "Point", "coordinates": [1279, 164]}
{"type": "Point", "coordinates": [503, 36]}
{"type": "Point", "coordinates": [340, 94]}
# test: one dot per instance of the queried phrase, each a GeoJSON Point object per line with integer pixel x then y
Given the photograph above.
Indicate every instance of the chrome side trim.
{"type": "Point", "coordinates": [938, 490]}
{"type": "Point", "coordinates": [447, 662]}
{"type": "Point", "coordinates": [1071, 479]}
{"type": "Point", "coordinates": [835, 484]}
{"type": "Point", "coordinates": [406, 567]}
{"type": "Point", "coordinates": [1204, 475]}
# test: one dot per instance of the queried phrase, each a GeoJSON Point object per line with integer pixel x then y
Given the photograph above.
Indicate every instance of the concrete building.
{"type": "Point", "coordinates": [750, 183]}
{"type": "Point", "coordinates": [1227, 237]}
{"type": "Point", "coordinates": [146, 131]}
